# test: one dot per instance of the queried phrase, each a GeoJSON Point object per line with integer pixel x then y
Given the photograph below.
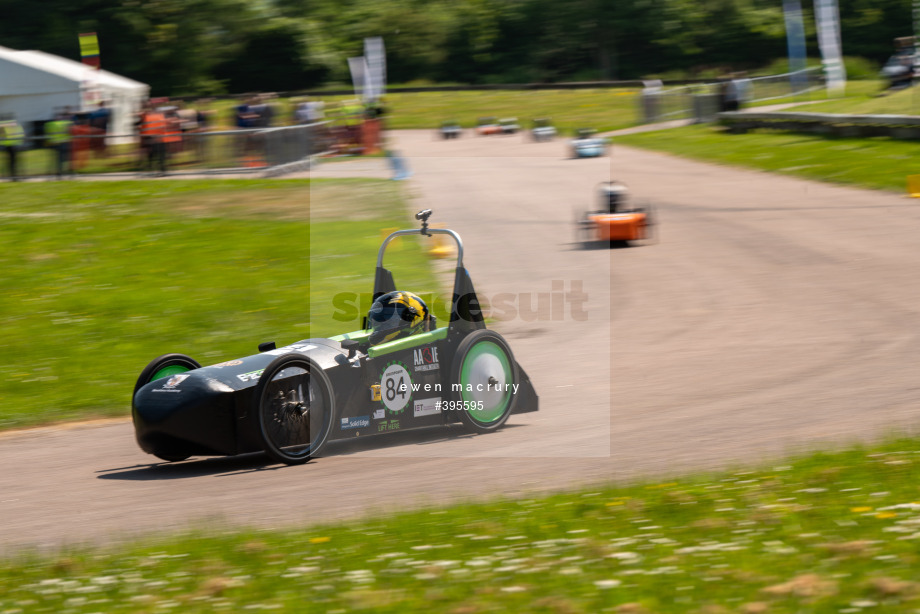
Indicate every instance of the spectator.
{"type": "Point", "coordinates": [101, 117]}
{"type": "Point", "coordinates": [58, 136]}
{"type": "Point", "coordinates": [82, 140]}
{"type": "Point", "coordinates": [188, 118]}
{"type": "Point", "coordinates": [245, 117]}
{"type": "Point", "coordinates": [205, 118]}
{"type": "Point", "coordinates": [742, 89]}
{"type": "Point", "coordinates": [264, 112]}
{"type": "Point", "coordinates": [153, 131]}
{"type": "Point", "coordinates": [99, 120]}
{"type": "Point", "coordinates": [651, 88]}
{"type": "Point", "coordinates": [12, 139]}
{"type": "Point", "coordinates": [302, 113]}
{"type": "Point", "coordinates": [192, 123]}
{"type": "Point", "coordinates": [728, 95]}
{"type": "Point", "coordinates": [318, 110]}
{"type": "Point", "coordinates": [173, 135]}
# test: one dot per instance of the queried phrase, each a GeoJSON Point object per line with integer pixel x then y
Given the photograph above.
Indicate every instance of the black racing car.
{"type": "Point", "coordinates": [450, 130]}
{"type": "Point", "coordinates": [400, 371]}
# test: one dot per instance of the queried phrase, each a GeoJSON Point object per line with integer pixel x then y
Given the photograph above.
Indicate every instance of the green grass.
{"type": "Point", "coordinates": [601, 109]}
{"type": "Point", "coordinates": [101, 277]}
{"type": "Point", "coordinates": [880, 163]}
{"type": "Point", "coordinates": [827, 533]}
{"type": "Point", "coordinates": [862, 98]}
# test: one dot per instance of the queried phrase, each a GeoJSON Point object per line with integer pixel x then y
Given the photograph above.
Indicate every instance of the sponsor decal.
{"type": "Point", "coordinates": [172, 382]}
{"type": "Point", "coordinates": [251, 376]}
{"type": "Point", "coordinates": [358, 422]}
{"type": "Point", "coordinates": [426, 407]}
{"type": "Point", "coordinates": [297, 347]}
{"type": "Point", "coordinates": [426, 359]}
{"type": "Point", "coordinates": [175, 380]}
{"type": "Point", "coordinates": [375, 392]}
{"type": "Point", "coordinates": [396, 386]}
{"type": "Point", "coordinates": [229, 363]}
{"type": "Point", "coordinates": [388, 425]}
{"type": "Point", "coordinates": [380, 414]}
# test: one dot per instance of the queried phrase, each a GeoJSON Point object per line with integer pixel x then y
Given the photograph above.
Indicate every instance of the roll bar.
{"type": "Point", "coordinates": [425, 231]}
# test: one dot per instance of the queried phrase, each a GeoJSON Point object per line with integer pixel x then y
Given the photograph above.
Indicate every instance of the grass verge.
{"type": "Point", "coordinates": [601, 109]}
{"type": "Point", "coordinates": [868, 98]}
{"type": "Point", "coordinates": [100, 278]}
{"type": "Point", "coordinates": [880, 163]}
{"type": "Point", "coordinates": [830, 532]}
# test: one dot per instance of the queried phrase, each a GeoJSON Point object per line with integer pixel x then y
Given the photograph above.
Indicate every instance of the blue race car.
{"type": "Point", "coordinates": [586, 145]}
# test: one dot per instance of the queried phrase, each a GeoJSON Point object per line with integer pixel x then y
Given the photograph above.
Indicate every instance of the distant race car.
{"type": "Point", "coordinates": [399, 371]}
{"type": "Point", "coordinates": [900, 70]}
{"type": "Point", "coordinates": [450, 130]}
{"type": "Point", "coordinates": [586, 145]}
{"type": "Point", "coordinates": [542, 130]}
{"type": "Point", "coordinates": [614, 221]}
{"type": "Point", "coordinates": [487, 125]}
{"type": "Point", "coordinates": [508, 125]}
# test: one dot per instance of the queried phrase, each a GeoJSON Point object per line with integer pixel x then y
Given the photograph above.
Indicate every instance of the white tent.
{"type": "Point", "coordinates": [34, 85]}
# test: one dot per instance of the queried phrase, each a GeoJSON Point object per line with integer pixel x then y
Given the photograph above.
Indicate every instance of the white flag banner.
{"type": "Point", "coordinates": [795, 34]}
{"type": "Point", "coordinates": [358, 66]}
{"type": "Point", "coordinates": [795, 42]}
{"type": "Point", "coordinates": [376, 60]}
{"type": "Point", "coordinates": [828, 22]}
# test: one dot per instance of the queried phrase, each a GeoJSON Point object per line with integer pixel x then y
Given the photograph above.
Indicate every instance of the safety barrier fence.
{"type": "Point", "coordinates": [895, 126]}
{"type": "Point", "coordinates": [703, 101]}
{"type": "Point", "coordinates": [260, 151]}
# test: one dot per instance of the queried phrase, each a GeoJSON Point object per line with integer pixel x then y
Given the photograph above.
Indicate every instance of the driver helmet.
{"type": "Point", "coordinates": [613, 196]}
{"type": "Point", "coordinates": [396, 315]}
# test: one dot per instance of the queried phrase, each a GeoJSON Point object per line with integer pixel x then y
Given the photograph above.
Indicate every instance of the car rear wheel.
{"type": "Point", "coordinates": [583, 229]}
{"type": "Point", "coordinates": [487, 375]}
{"type": "Point", "coordinates": [294, 404]}
{"type": "Point", "coordinates": [650, 231]}
{"type": "Point", "coordinates": [162, 367]}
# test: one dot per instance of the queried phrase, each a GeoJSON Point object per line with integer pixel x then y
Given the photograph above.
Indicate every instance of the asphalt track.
{"type": "Point", "coordinates": [772, 315]}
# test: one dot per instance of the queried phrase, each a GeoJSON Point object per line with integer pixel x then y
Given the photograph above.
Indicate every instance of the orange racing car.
{"type": "Point", "coordinates": [614, 222]}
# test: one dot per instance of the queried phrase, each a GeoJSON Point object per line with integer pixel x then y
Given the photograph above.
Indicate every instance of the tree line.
{"type": "Point", "coordinates": [206, 47]}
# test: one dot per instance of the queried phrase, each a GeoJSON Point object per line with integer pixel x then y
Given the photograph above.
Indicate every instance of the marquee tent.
{"type": "Point", "coordinates": [34, 85]}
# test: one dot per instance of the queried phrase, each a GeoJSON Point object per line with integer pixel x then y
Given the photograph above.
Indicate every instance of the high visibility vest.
{"type": "Point", "coordinates": [172, 133]}
{"type": "Point", "coordinates": [353, 114]}
{"type": "Point", "coordinates": [12, 134]}
{"type": "Point", "coordinates": [58, 131]}
{"type": "Point", "coordinates": [154, 124]}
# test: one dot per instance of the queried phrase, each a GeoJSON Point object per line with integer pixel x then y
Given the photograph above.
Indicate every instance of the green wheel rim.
{"type": "Point", "coordinates": [168, 371]}
{"type": "Point", "coordinates": [483, 360]}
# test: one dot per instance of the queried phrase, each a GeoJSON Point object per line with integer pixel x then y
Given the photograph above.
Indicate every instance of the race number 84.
{"type": "Point", "coordinates": [396, 385]}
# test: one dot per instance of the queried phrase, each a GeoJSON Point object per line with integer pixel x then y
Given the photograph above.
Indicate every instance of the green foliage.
{"type": "Point", "coordinates": [860, 68]}
{"type": "Point", "coordinates": [197, 46]}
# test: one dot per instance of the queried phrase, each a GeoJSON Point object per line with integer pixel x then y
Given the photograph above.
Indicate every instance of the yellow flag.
{"type": "Point", "coordinates": [89, 44]}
